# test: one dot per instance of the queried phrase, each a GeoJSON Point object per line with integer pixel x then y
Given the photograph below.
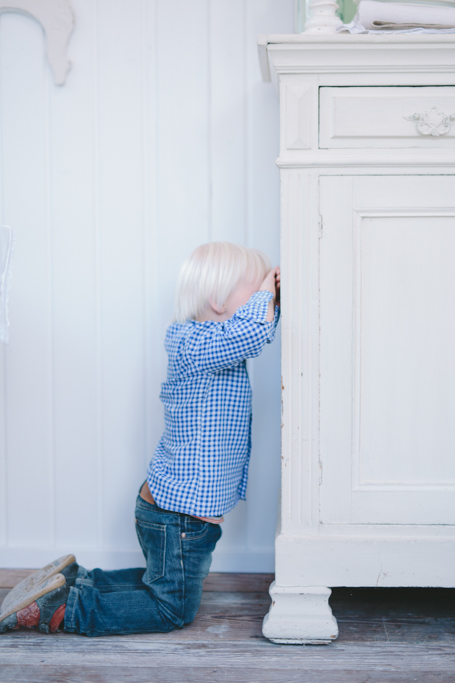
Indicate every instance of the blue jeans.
{"type": "Point", "coordinates": [164, 596]}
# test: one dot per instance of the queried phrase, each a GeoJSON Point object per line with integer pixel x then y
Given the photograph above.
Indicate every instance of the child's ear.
{"type": "Point", "coordinates": [216, 307]}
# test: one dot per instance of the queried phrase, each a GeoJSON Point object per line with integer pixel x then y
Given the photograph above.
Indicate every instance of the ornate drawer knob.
{"type": "Point", "coordinates": [432, 122]}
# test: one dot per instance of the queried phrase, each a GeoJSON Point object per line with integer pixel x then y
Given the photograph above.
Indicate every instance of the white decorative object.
{"type": "Point", "coordinates": [6, 261]}
{"type": "Point", "coordinates": [432, 122]}
{"type": "Point", "coordinates": [368, 324]}
{"type": "Point", "coordinates": [323, 18]}
{"type": "Point", "coordinates": [57, 19]}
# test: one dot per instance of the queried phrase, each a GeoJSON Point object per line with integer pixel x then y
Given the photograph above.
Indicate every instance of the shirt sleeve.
{"type": "Point", "coordinates": [214, 346]}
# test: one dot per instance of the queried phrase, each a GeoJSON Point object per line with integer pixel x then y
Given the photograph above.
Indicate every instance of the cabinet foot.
{"type": "Point", "coordinates": [300, 616]}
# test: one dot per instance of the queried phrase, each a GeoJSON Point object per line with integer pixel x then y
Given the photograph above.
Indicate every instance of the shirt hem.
{"type": "Point", "coordinates": [191, 511]}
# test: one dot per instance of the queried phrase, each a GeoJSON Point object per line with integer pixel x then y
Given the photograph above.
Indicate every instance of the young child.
{"type": "Point", "coordinates": [226, 311]}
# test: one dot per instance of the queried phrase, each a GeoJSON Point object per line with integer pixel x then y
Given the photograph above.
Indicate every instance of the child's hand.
{"type": "Point", "coordinates": [271, 284]}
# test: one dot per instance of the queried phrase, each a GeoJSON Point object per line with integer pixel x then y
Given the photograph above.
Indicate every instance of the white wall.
{"type": "Point", "coordinates": [164, 137]}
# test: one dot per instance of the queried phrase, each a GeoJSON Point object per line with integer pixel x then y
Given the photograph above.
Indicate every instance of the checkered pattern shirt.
{"type": "Point", "coordinates": [200, 465]}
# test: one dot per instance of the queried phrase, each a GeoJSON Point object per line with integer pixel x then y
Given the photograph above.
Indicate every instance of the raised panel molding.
{"type": "Point", "coordinates": [361, 308]}
{"type": "Point", "coordinates": [298, 117]}
{"type": "Point", "coordinates": [387, 117]}
{"type": "Point", "coordinates": [57, 19]}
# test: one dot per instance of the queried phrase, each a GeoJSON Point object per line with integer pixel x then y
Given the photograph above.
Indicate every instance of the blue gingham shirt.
{"type": "Point", "coordinates": [200, 465]}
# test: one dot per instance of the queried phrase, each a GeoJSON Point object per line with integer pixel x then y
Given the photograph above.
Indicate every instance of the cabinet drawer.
{"type": "Point", "coordinates": [352, 118]}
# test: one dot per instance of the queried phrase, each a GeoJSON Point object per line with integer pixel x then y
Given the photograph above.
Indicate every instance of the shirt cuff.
{"type": "Point", "coordinates": [273, 326]}
{"type": "Point", "coordinates": [257, 308]}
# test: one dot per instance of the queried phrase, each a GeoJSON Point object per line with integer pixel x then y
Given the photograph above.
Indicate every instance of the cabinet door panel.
{"type": "Point", "coordinates": [387, 259]}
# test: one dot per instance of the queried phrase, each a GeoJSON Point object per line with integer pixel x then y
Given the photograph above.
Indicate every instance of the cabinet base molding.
{"type": "Point", "coordinates": [380, 562]}
{"type": "Point", "coordinates": [300, 616]}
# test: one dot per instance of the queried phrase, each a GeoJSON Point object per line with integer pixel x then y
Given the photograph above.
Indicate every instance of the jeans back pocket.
{"type": "Point", "coordinates": [152, 538]}
{"type": "Point", "coordinates": [194, 528]}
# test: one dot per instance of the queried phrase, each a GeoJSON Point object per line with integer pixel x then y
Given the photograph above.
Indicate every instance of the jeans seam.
{"type": "Point", "coordinates": [151, 525]}
{"type": "Point", "coordinates": [183, 572]}
{"type": "Point", "coordinates": [73, 609]}
{"type": "Point", "coordinates": [113, 587]}
{"type": "Point", "coordinates": [189, 537]}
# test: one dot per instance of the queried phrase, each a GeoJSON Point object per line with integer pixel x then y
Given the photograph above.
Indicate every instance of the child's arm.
{"type": "Point", "coordinates": [214, 346]}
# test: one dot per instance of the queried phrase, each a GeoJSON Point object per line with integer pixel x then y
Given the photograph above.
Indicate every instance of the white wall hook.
{"type": "Point", "coordinates": [57, 19]}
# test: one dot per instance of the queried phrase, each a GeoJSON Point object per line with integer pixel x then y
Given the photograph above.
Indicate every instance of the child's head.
{"type": "Point", "coordinates": [212, 273]}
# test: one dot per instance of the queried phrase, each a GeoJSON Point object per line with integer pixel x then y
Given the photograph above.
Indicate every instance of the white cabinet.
{"type": "Point", "coordinates": [368, 320]}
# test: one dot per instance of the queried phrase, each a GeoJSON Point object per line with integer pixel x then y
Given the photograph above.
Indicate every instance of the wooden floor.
{"type": "Point", "coordinates": [386, 636]}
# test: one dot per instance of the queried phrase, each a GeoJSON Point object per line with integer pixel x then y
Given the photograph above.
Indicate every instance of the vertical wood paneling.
{"type": "Point", "coordinates": [153, 343]}
{"type": "Point", "coordinates": [3, 461]}
{"type": "Point", "coordinates": [163, 138]}
{"type": "Point", "coordinates": [121, 215]}
{"type": "Point", "coordinates": [182, 145]}
{"type": "Point", "coordinates": [25, 82]}
{"type": "Point", "coordinates": [72, 150]}
{"type": "Point", "coordinates": [3, 393]}
{"type": "Point", "coordinates": [227, 126]}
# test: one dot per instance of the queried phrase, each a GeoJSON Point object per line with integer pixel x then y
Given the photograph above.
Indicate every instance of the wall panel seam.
{"type": "Point", "coordinates": [96, 197]}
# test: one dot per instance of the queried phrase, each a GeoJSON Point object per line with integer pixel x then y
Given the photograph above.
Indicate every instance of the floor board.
{"type": "Point", "coordinates": [386, 636]}
{"type": "Point", "coordinates": [220, 674]}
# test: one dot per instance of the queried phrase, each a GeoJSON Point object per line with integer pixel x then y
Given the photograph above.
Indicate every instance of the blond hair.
{"type": "Point", "coordinates": [213, 271]}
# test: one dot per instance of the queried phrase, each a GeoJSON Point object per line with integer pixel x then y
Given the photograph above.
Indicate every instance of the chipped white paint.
{"type": "Point", "coordinates": [368, 330]}
{"type": "Point", "coordinates": [57, 19]}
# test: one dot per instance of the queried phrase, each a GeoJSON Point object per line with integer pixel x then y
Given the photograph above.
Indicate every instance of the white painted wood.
{"type": "Point", "coordinates": [227, 120]}
{"type": "Point", "coordinates": [300, 616]}
{"type": "Point", "coordinates": [263, 57]}
{"type": "Point", "coordinates": [57, 19]}
{"type": "Point", "coordinates": [384, 559]}
{"type": "Point", "coordinates": [368, 241]}
{"type": "Point", "coordinates": [399, 405]}
{"type": "Point", "coordinates": [28, 377]}
{"type": "Point", "coordinates": [6, 271]}
{"type": "Point", "coordinates": [322, 17]}
{"type": "Point", "coordinates": [384, 117]}
{"type": "Point", "coordinates": [163, 137]}
{"type": "Point", "coordinates": [75, 330]}
{"type": "Point", "coordinates": [298, 117]}
{"type": "Point", "coordinates": [120, 264]}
